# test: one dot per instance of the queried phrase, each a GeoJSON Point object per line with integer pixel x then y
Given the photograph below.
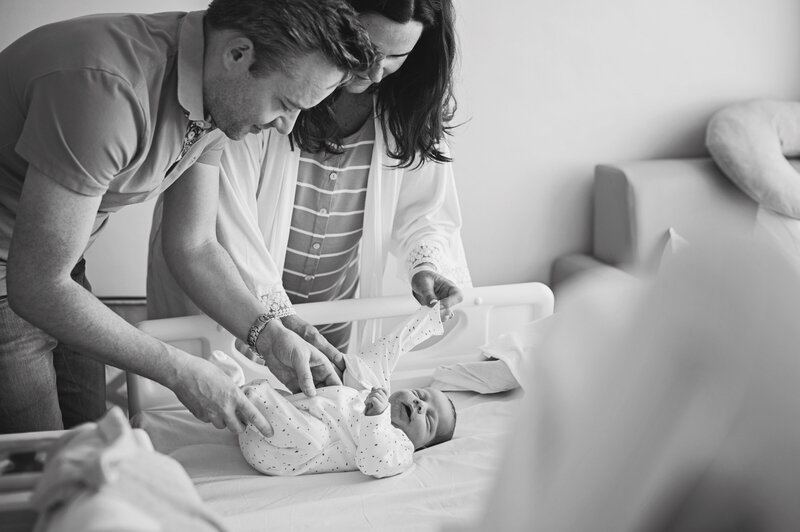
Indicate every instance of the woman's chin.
{"type": "Point", "coordinates": [357, 87]}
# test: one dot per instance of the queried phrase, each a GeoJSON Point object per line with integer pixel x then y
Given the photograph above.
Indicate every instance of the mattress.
{"type": "Point", "coordinates": [448, 483]}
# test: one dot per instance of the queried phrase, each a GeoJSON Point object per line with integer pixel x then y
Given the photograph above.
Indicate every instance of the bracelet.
{"type": "Point", "coordinates": [261, 322]}
{"type": "Point", "coordinates": [422, 267]}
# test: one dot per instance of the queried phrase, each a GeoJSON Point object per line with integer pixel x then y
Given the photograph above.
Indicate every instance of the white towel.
{"type": "Point", "coordinates": [504, 362]}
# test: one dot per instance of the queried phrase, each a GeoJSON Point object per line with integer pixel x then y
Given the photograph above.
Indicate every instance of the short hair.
{"type": "Point", "coordinates": [416, 103]}
{"type": "Point", "coordinates": [282, 31]}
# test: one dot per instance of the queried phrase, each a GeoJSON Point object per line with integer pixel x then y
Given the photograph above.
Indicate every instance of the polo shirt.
{"type": "Point", "coordinates": [102, 104]}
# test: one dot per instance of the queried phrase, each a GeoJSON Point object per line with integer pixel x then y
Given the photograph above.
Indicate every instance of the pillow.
{"type": "Point", "coordinates": [780, 230]}
{"type": "Point", "coordinates": [750, 142]}
{"type": "Point", "coordinates": [106, 477]}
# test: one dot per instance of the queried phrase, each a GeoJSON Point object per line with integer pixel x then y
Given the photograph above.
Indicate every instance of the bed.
{"type": "Point", "coordinates": [448, 483]}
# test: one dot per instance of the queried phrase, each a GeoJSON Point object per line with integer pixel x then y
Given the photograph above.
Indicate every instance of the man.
{"type": "Point", "coordinates": [105, 111]}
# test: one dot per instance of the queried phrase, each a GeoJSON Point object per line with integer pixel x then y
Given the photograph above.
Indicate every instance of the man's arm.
{"type": "Point", "coordinates": [52, 228]}
{"type": "Point", "coordinates": [209, 277]}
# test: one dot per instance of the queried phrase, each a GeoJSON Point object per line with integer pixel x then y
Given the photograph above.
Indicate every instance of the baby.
{"type": "Point", "coordinates": [358, 426]}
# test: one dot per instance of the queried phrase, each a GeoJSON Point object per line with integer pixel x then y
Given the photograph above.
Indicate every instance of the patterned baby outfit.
{"type": "Point", "coordinates": [329, 432]}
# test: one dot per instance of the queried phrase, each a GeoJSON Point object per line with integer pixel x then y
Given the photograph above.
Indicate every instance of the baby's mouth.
{"type": "Point", "coordinates": [407, 408]}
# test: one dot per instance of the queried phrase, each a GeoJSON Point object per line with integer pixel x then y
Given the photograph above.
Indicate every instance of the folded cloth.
{"type": "Point", "coordinates": [484, 376]}
{"type": "Point", "coordinates": [105, 476]}
{"type": "Point", "coordinates": [502, 366]}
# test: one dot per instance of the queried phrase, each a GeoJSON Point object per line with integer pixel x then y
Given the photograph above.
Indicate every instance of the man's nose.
{"type": "Point", "coordinates": [285, 123]}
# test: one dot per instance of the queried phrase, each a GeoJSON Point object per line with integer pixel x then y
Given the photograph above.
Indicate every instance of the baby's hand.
{"type": "Point", "coordinates": [376, 402]}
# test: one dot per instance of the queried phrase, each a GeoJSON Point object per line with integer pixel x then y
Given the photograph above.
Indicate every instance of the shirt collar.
{"type": "Point", "coordinates": [191, 44]}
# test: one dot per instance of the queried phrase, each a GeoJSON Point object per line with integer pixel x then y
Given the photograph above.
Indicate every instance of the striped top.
{"type": "Point", "coordinates": [327, 222]}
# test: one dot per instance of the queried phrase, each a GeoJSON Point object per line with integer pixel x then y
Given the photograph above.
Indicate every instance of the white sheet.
{"type": "Point", "coordinates": [448, 483]}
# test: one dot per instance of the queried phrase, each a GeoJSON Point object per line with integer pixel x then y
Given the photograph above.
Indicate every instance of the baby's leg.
{"type": "Point", "coordinates": [297, 438]}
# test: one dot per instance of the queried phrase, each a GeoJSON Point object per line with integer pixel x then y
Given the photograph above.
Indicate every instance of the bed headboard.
{"type": "Point", "coordinates": [485, 313]}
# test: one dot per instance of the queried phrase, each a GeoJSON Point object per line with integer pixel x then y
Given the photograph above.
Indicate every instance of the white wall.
{"type": "Point", "coordinates": [550, 88]}
{"type": "Point", "coordinates": [547, 90]}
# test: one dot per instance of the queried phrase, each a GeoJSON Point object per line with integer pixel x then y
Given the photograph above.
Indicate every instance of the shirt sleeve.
{"type": "Point", "coordinates": [238, 229]}
{"type": "Point", "coordinates": [82, 128]}
{"type": "Point", "coordinates": [377, 362]}
{"type": "Point", "coordinates": [382, 450]}
{"type": "Point", "coordinates": [427, 225]}
{"type": "Point", "coordinates": [213, 152]}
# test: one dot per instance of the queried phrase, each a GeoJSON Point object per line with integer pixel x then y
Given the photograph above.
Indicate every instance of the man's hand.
{"type": "Point", "coordinates": [213, 397]}
{"type": "Point", "coordinates": [295, 362]}
{"type": "Point", "coordinates": [376, 402]}
{"type": "Point", "coordinates": [429, 287]}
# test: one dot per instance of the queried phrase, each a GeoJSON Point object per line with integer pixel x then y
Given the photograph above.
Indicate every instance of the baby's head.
{"type": "Point", "coordinates": [427, 416]}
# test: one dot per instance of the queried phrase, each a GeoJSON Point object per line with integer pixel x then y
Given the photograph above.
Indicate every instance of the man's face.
{"type": "Point", "coordinates": [240, 103]}
{"type": "Point", "coordinates": [424, 414]}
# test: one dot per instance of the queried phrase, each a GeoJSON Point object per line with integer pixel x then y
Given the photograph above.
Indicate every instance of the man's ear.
{"type": "Point", "coordinates": [238, 53]}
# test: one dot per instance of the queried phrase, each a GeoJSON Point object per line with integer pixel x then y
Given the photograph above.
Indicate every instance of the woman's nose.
{"type": "Point", "coordinates": [376, 72]}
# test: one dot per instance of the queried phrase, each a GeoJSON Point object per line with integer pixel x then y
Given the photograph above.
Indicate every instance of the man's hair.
{"type": "Point", "coordinates": [282, 31]}
{"type": "Point", "coordinates": [416, 103]}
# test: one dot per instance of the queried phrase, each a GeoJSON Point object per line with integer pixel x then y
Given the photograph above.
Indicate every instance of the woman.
{"type": "Point", "coordinates": [364, 174]}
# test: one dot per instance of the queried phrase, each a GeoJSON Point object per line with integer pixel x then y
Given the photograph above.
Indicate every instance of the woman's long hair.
{"type": "Point", "coordinates": [415, 103]}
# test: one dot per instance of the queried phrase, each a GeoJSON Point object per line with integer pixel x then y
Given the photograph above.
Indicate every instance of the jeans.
{"type": "Point", "coordinates": [44, 384]}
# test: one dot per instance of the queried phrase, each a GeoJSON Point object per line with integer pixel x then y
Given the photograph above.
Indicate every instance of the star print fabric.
{"type": "Point", "coordinates": [329, 432]}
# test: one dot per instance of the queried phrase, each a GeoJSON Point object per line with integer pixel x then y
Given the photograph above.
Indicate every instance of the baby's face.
{"type": "Point", "coordinates": [424, 414]}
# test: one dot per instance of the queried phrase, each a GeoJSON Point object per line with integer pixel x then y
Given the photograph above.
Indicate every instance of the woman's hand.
{"type": "Point", "coordinates": [376, 402]}
{"type": "Point", "coordinates": [310, 334]}
{"type": "Point", "coordinates": [429, 286]}
{"type": "Point", "coordinates": [295, 362]}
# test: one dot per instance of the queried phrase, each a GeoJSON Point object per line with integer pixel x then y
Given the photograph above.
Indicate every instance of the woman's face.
{"type": "Point", "coordinates": [393, 40]}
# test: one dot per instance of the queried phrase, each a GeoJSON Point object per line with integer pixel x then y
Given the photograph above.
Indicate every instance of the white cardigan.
{"type": "Point", "coordinates": [406, 210]}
